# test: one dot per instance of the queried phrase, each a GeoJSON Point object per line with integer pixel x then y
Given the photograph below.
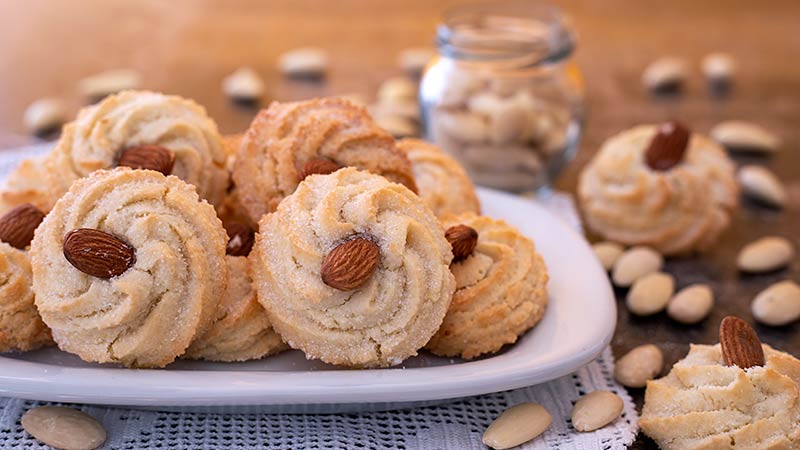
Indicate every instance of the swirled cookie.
{"type": "Point", "coordinates": [353, 270]}
{"type": "Point", "coordinates": [21, 328]}
{"type": "Point", "coordinates": [288, 141]}
{"type": "Point", "coordinates": [659, 186]}
{"type": "Point", "coordinates": [241, 330]}
{"type": "Point", "coordinates": [704, 404]}
{"type": "Point", "coordinates": [128, 267]}
{"type": "Point", "coordinates": [442, 182]}
{"type": "Point", "coordinates": [501, 289]}
{"type": "Point", "coordinates": [25, 185]}
{"type": "Point", "coordinates": [102, 133]}
{"type": "Point", "coordinates": [231, 209]}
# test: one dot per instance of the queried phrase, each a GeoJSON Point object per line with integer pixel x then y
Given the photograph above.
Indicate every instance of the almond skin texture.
{"type": "Point", "coordinates": [241, 238]}
{"type": "Point", "coordinates": [463, 239]}
{"type": "Point", "coordinates": [668, 146]}
{"type": "Point", "coordinates": [740, 344]}
{"type": "Point", "coordinates": [350, 264]}
{"type": "Point", "coordinates": [97, 253]}
{"type": "Point", "coordinates": [150, 157]}
{"type": "Point", "coordinates": [318, 166]}
{"type": "Point", "coordinates": [17, 225]}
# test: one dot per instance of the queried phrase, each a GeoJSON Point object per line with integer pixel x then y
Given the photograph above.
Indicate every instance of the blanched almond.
{"type": "Point", "coordinates": [517, 425]}
{"type": "Point", "coordinates": [745, 136]}
{"type": "Point", "coordinates": [666, 73]}
{"type": "Point", "coordinates": [244, 85]}
{"type": "Point", "coordinates": [596, 410]}
{"type": "Point", "coordinates": [650, 293]}
{"type": "Point", "coordinates": [635, 263]}
{"type": "Point", "coordinates": [608, 253]}
{"type": "Point", "coordinates": [639, 365]}
{"type": "Point", "coordinates": [45, 115]}
{"type": "Point", "coordinates": [306, 62]}
{"type": "Point", "coordinates": [761, 184]}
{"type": "Point", "coordinates": [765, 255]}
{"type": "Point", "coordinates": [778, 304]}
{"type": "Point", "coordinates": [64, 428]}
{"type": "Point", "coordinates": [691, 304]}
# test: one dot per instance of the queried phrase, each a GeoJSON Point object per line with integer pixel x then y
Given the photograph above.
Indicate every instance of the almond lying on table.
{"type": "Point", "coordinates": [635, 263]}
{"type": "Point", "coordinates": [778, 304]}
{"type": "Point", "coordinates": [739, 135]}
{"type": "Point", "coordinates": [765, 255]}
{"type": "Point", "coordinates": [760, 184]}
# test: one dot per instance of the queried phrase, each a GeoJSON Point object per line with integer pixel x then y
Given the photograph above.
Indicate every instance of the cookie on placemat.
{"type": "Point", "coordinates": [501, 287]}
{"type": "Point", "coordinates": [705, 404]}
{"type": "Point", "coordinates": [660, 186]}
{"type": "Point", "coordinates": [442, 182]}
{"type": "Point", "coordinates": [353, 270]}
{"type": "Point", "coordinates": [241, 330]}
{"type": "Point", "coordinates": [128, 267]}
{"type": "Point", "coordinates": [21, 328]}
{"type": "Point", "coordinates": [140, 129]}
{"type": "Point", "coordinates": [288, 141]}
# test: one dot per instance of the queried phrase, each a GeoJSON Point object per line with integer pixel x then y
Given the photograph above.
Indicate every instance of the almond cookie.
{"type": "Point", "coordinates": [21, 328]}
{"type": "Point", "coordinates": [501, 288]}
{"type": "Point", "coordinates": [25, 184]}
{"type": "Point", "coordinates": [241, 330]}
{"type": "Point", "coordinates": [231, 209]}
{"type": "Point", "coordinates": [353, 270]}
{"type": "Point", "coordinates": [659, 186]}
{"type": "Point", "coordinates": [114, 131]}
{"type": "Point", "coordinates": [705, 404]}
{"type": "Point", "coordinates": [442, 182]}
{"type": "Point", "coordinates": [288, 141]}
{"type": "Point", "coordinates": [128, 267]}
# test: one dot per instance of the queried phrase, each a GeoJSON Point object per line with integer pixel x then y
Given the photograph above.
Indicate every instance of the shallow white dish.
{"type": "Point", "coordinates": [577, 326]}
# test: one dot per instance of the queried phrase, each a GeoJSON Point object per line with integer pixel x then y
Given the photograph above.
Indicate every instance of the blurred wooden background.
{"type": "Point", "coordinates": [187, 47]}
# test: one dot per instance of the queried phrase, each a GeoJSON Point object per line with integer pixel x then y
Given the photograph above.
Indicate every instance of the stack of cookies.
{"type": "Point", "coordinates": [146, 236]}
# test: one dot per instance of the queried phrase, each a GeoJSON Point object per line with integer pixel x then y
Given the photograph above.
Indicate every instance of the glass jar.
{"type": "Point", "coordinates": [503, 96]}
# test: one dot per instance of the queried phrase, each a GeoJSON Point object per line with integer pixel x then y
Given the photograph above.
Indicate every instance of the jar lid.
{"type": "Point", "coordinates": [514, 33]}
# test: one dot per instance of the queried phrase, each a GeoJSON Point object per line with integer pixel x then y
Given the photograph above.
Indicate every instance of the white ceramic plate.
{"type": "Point", "coordinates": [577, 326]}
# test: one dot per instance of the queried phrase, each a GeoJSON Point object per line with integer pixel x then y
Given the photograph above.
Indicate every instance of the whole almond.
{"type": "Point", "coordinates": [150, 157]}
{"type": "Point", "coordinates": [762, 185]}
{"type": "Point", "coordinates": [517, 425]}
{"type": "Point", "coordinates": [64, 428]}
{"type": "Point", "coordinates": [240, 240]}
{"type": "Point", "coordinates": [608, 253]}
{"type": "Point", "coordinates": [635, 263]}
{"type": "Point", "coordinates": [667, 147]}
{"type": "Point", "coordinates": [765, 255]}
{"type": "Point", "coordinates": [639, 365]}
{"type": "Point", "coordinates": [318, 166]}
{"type": "Point", "coordinates": [691, 304]}
{"type": "Point", "coordinates": [305, 62]}
{"type": "Point", "coordinates": [665, 74]}
{"type": "Point", "coordinates": [739, 135]}
{"type": "Point", "coordinates": [17, 225]}
{"type": "Point", "coordinates": [778, 304]}
{"type": "Point", "coordinates": [350, 264]}
{"type": "Point", "coordinates": [740, 344]}
{"type": "Point", "coordinates": [596, 410]}
{"type": "Point", "coordinates": [650, 293]}
{"type": "Point", "coordinates": [97, 253]}
{"type": "Point", "coordinates": [463, 240]}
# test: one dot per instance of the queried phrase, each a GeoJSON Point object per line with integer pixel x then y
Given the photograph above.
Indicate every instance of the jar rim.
{"type": "Point", "coordinates": [518, 33]}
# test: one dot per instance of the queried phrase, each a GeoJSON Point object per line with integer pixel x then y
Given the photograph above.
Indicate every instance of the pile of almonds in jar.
{"type": "Point", "coordinates": [500, 129]}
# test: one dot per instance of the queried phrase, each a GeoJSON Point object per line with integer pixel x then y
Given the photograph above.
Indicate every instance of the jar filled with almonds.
{"type": "Point", "coordinates": [503, 96]}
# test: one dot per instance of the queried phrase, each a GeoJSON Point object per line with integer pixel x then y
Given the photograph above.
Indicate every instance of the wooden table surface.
{"type": "Point", "coordinates": [186, 47]}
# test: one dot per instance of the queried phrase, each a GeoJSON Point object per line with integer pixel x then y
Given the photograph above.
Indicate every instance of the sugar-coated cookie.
{"type": "Point", "coordinates": [353, 270]}
{"type": "Point", "coordinates": [25, 184]}
{"type": "Point", "coordinates": [21, 328]}
{"type": "Point", "coordinates": [442, 182]}
{"type": "Point", "coordinates": [501, 290]}
{"type": "Point", "coordinates": [704, 404]}
{"type": "Point", "coordinates": [241, 330]}
{"type": "Point", "coordinates": [288, 141]}
{"type": "Point", "coordinates": [104, 132]}
{"type": "Point", "coordinates": [128, 267]}
{"type": "Point", "coordinates": [676, 200]}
